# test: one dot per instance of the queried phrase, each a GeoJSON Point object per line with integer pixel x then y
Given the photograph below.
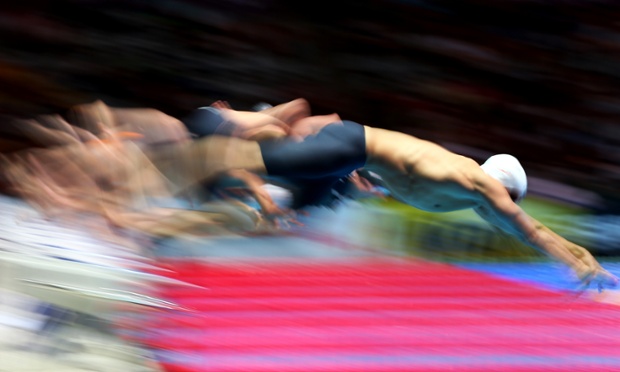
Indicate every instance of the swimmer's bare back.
{"type": "Point", "coordinates": [421, 173]}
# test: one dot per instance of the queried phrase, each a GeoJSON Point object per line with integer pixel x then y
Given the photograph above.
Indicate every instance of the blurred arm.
{"type": "Point", "coordinates": [502, 212]}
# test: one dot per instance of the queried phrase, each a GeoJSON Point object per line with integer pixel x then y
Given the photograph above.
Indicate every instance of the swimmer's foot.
{"type": "Point", "coordinates": [289, 112]}
{"type": "Point", "coordinates": [221, 105]}
{"type": "Point", "coordinates": [92, 116]}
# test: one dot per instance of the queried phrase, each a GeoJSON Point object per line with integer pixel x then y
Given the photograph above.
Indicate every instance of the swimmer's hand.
{"type": "Point", "coordinates": [278, 217]}
{"type": "Point", "coordinates": [276, 222]}
{"type": "Point", "coordinates": [598, 276]}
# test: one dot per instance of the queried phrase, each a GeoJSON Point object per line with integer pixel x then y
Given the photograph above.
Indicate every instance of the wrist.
{"type": "Point", "coordinates": [582, 270]}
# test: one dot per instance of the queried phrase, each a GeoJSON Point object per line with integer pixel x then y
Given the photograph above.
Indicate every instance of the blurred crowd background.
{"type": "Point", "coordinates": [538, 79]}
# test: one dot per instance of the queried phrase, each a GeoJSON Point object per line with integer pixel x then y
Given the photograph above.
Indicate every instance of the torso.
{"type": "Point", "coordinates": [421, 173]}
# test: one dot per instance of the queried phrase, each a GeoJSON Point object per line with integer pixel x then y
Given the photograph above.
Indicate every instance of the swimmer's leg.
{"type": "Point", "coordinates": [203, 160]}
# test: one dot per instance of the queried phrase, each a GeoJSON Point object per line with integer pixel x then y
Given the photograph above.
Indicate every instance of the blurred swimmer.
{"type": "Point", "coordinates": [112, 177]}
{"type": "Point", "coordinates": [426, 176]}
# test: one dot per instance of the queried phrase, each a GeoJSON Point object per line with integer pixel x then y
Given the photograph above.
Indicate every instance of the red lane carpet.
{"type": "Point", "coordinates": [376, 315]}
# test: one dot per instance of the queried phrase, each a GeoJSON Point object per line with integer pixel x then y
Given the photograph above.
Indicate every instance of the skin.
{"type": "Point", "coordinates": [258, 126]}
{"type": "Point", "coordinates": [289, 119]}
{"type": "Point", "coordinates": [154, 126]}
{"type": "Point", "coordinates": [429, 177]}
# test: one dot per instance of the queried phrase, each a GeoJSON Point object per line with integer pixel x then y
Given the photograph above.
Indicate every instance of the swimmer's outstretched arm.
{"type": "Point", "coordinates": [502, 212]}
{"type": "Point", "coordinates": [588, 269]}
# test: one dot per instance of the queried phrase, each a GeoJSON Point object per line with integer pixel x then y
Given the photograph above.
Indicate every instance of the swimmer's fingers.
{"type": "Point", "coordinates": [602, 278]}
{"type": "Point", "coordinates": [219, 104]}
{"type": "Point", "coordinates": [288, 221]}
{"type": "Point", "coordinates": [283, 218]}
{"type": "Point", "coordinates": [285, 223]}
{"type": "Point", "coordinates": [296, 222]}
{"type": "Point", "coordinates": [291, 217]}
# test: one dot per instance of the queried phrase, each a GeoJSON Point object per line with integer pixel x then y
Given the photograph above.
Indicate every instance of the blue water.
{"type": "Point", "coordinates": [549, 275]}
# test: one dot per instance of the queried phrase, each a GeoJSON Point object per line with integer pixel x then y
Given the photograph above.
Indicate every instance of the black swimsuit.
{"type": "Point", "coordinates": [336, 151]}
{"type": "Point", "coordinates": [314, 164]}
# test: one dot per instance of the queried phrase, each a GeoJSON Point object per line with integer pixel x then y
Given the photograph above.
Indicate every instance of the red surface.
{"type": "Point", "coordinates": [376, 315]}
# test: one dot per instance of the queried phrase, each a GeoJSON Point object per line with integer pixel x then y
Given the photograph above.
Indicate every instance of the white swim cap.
{"type": "Point", "coordinates": [507, 170]}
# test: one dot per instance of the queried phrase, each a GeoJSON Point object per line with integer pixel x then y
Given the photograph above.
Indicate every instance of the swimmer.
{"type": "Point", "coordinates": [111, 177]}
{"type": "Point", "coordinates": [426, 176]}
